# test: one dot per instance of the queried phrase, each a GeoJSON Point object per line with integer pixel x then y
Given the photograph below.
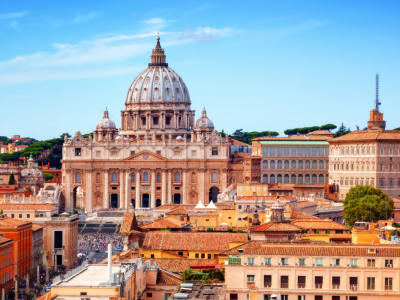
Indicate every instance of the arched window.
{"type": "Point", "coordinates": [293, 164]}
{"type": "Point", "coordinates": [177, 176]}
{"type": "Point", "coordinates": [132, 178]}
{"type": "Point", "coordinates": [272, 178]}
{"type": "Point", "coordinates": [193, 177]}
{"type": "Point", "coordinates": [327, 178]}
{"type": "Point", "coordinates": [114, 177]}
{"type": "Point", "coordinates": [158, 177]}
{"type": "Point", "coordinates": [145, 177]}
{"type": "Point", "coordinates": [286, 164]}
{"type": "Point", "coordinates": [321, 178]}
{"type": "Point", "coordinates": [158, 202]}
{"type": "Point", "coordinates": [327, 164]}
{"type": "Point", "coordinates": [307, 164]}
{"type": "Point", "coordinates": [78, 177]}
{"type": "Point", "coordinates": [272, 164]}
{"type": "Point", "coordinates": [314, 178]}
{"type": "Point", "coordinates": [300, 164]}
{"type": "Point", "coordinates": [98, 178]}
{"type": "Point", "coordinates": [321, 164]}
{"type": "Point", "coordinates": [293, 179]}
{"type": "Point", "coordinates": [279, 178]}
{"type": "Point", "coordinates": [265, 178]}
{"type": "Point", "coordinates": [300, 179]}
{"type": "Point", "coordinates": [314, 164]}
{"type": "Point", "coordinates": [265, 164]}
{"type": "Point", "coordinates": [214, 177]}
{"type": "Point", "coordinates": [286, 178]}
{"type": "Point", "coordinates": [279, 164]}
{"type": "Point", "coordinates": [307, 179]}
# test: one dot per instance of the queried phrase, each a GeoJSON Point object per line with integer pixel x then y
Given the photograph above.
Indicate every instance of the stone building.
{"type": "Point", "coordinates": [160, 154]}
{"type": "Point", "coordinates": [366, 157]}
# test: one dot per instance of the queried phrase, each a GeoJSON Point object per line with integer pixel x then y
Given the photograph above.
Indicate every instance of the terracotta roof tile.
{"type": "Point", "coordinates": [237, 143]}
{"type": "Point", "coordinates": [177, 212]}
{"type": "Point", "coordinates": [187, 206]}
{"type": "Point", "coordinates": [191, 241]}
{"type": "Point", "coordinates": [4, 240]}
{"type": "Point", "coordinates": [164, 223]}
{"type": "Point", "coordinates": [178, 266]}
{"type": "Point", "coordinates": [276, 226]}
{"type": "Point", "coordinates": [315, 249]}
{"type": "Point", "coordinates": [23, 206]}
{"type": "Point", "coordinates": [10, 222]}
{"type": "Point", "coordinates": [372, 135]}
{"type": "Point", "coordinates": [36, 227]}
{"type": "Point", "coordinates": [267, 198]}
{"type": "Point", "coordinates": [165, 278]}
{"type": "Point", "coordinates": [128, 224]}
{"type": "Point", "coordinates": [318, 224]}
{"type": "Point", "coordinates": [305, 203]}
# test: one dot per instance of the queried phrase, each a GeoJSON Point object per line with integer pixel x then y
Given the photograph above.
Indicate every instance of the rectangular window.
{"type": "Point", "coordinates": [318, 280]}
{"type": "Point", "coordinates": [78, 151]}
{"type": "Point", "coordinates": [203, 255]}
{"type": "Point", "coordinates": [28, 216]}
{"type": "Point", "coordinates": [264, 151]}
{"type": "Point", "coordinates": [285, 261]}
{"type": "Point", "coordinates": [114, 153]}
{"type": "Point", "coordinates": [320, 151]}
{"type": "Point", "coordinates": [272, 151]}
{"type": "Point", "coordinates": [354, 262]}
{"type": "Point", "coordinates": [370, 283]}
{"type": "Point", "coordinates": [293, 151]}
{"type": "Point", "coordinates": [336, 262]}
{"type": "Point", "coordinates": [155, 121]}
{"type": "Point", "coordinates": [150, 295]}
{"type": "Point", "coordinates": [388, 263]}
{"type": "Point", "coordinates": [306, 150]}
{"type": "Point", "coordinates": [143, 121]}
{"type": "Point", "coordinates": [158, 152]}
{"type": "Point", "coordinates": [196, 255]}
{"type": "Point", "coordinates": [286, 151]}
{"type": "Point", "coordinates": [314, 150]}
{"type": "Point", "coordinates": [158, 178]}
{"type": "Point", "coordinates": [278, 150]}
{"type": "Point", "coordinates": [319, 262]}
{"type": "Point", "coordinates": [233, 296]}
{"type": "Point", "coordinates": [98, 153]}
{"type": "Point", "coordinates": [382, 182]}
{"type": "Point", "coordinates": [388, 284]}
{"type": "Point", "coordinates": [58, 239]}
{"type": "Point", "coordinates": [353, 283]}
{"type": "Point", "coordinates": [335, 283]}
{"type": "Point", "coordinates": [302, 261]}
{"type": "Point", "coordinates": [250, 278]}
{"type": "Point", "coordinates": [194, 153]}
{"type": "Point", "coordinates": [284, 282]}
{"type": "Point", "coordinates": [133, 153]}
{"type": "Point", "coordinates": [301, 282]}
{"type": "Point", "coordinates": [300, 150]}
{"type": "Point", "coordinates": [268, 261]}
{"type": "Point", "coordinates": [267, 281]}
{"type": "Point", "coordinates": [214, 151]}
{"type": "Point", "coordinates": [177, 153]}
{"type": "Point", "coordinates": [371, 263]}
{"type": "Point", "coordinates": [250, 260]}
{"type": "Point", "coordinates": [20, 216]}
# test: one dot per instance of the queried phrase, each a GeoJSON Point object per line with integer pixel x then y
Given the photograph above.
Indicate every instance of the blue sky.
{"type": "Point", "coordinates": [254, 65]}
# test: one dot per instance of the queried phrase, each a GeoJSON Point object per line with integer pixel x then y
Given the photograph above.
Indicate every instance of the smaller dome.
{"type": "Point", "coordinates": [106, 122]}
{"type": "Point", "coordinates": [118, 137]}
{"type": "Point", "coordinates": [31, 172]}
{"type": "Point", "coordinates": [204, 122]}
{"type": "Point", "coordinates": [179, 139]}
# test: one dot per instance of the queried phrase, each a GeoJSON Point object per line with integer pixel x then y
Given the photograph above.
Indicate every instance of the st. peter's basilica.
{"type": "Point", "coordinates": [160, 155]}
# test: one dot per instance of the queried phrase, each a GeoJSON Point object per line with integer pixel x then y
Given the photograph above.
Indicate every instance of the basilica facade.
{"type": "Point", "coordinates": [160, 155]}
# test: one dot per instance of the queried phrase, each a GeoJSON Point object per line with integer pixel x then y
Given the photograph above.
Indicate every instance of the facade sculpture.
{"type": "Point", "coordinates": [160, 155]}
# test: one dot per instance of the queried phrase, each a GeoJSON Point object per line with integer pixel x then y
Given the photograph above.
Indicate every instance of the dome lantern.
{"type": "Point", "coordinates": [158, 56]}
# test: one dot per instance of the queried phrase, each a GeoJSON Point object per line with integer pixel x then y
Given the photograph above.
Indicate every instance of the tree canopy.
{"type": "Point", "coordinates": [12, 180]}
{"type": "Point", "coordinates": [305, 130]}
{"type": "Point", "coordinates": [398, 128]}
{"type": "Point", "coordinates": [65, 133]}
{"type": "Point", "coordinates": [246, 137]}
{"type": "Point", "coordinates": [48, 176]}
{"type": "Point", "coordinates": [342, 131]}
{"type": "Point", "coordinates": [367, 203]}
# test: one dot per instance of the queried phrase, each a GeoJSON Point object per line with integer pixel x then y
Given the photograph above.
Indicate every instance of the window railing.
{"type": "Point", "coordinates": [353, 287]}
{"type": "Point", "coordinates": [318, 285]}
{"type": "Point", "coordinates": [301, 285]}
{"type": "Point", "coordinates": [267, 284]}
{"type": "Point", "coordinates": [370, 286]}
{"type": "Point", "coordinates": [284, 285]}
{"type": "Point", "coordinates": [335, 286]}
{"type": "Point", "coordinates": [388, 287]}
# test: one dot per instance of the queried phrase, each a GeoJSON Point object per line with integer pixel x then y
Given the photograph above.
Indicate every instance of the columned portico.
{"type": "Point", "coordinates": [138, 199]}
{"type": "Point", "coordinates": [106, 195]}
{"type": "Point", "coordinates": [121, 188]}
{"type": "Point", "coordinates": [164, 186]}
{"type": "Point", "coordinates": [153, 188]}
{"type": "Point", "coordinates": [89, 192]}
{"type": "Point", "coordinates": [169, 192]}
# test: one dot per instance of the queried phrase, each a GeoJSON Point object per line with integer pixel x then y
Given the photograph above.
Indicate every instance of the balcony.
{"type": "Point", "coordinates": [335, 286]}
{"type": "Point", "coordinates": [284, 285]}
{"type": "Point", "coordinates": [301, 285]}
{"type": "Point", "coordinates": [371, 287]}
{"type": "Point", "coordinates": [318, 286]}
{"type": "Point", "coordinates": [177, 183]}
{"type": "Point", "coordinates": [114, 183]}
{"type": "Point", "coordinates": [251, 285]}
{"type": "Point", "coordinates": [353, 287]}
{"type": "Point", "coordinates": [267, 284]}
{"type": "Point", "coordinates": [388, 287]}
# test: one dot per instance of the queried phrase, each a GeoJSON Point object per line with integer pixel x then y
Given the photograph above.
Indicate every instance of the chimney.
{"type": "Point", "coordinates": [109, 261]}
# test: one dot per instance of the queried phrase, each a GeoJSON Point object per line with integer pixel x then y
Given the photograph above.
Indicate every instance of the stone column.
{"type": "Point", "coordinates": [121, 188]}
{"type": "Point", "coordinates": [27, 278]}
{"type": "Point", "coordinates": [89, 191]}
{"type": "Point", "coordinates": [68, 189]}
{"type": "Point", "coordinates": [224, 179]}
{"type": "Point", "coordinates": [169, 186]}
{"type": "Point", "coordinates": [202, 185]}
{"type": "Point", "coordinates": [185, 185]}
{"type": "Point", "coordinates": [128, 190]}
{"type": "Point", "coordinates": [106, 184]}
{"type": "Point", "coordinates": [138, 200]}
{"type": "Point", "coordinates": [164, 186]}
{"type": "Point", "coordinates": [153, 188]}
{"type": "Point", "coordinates": [38, 275]}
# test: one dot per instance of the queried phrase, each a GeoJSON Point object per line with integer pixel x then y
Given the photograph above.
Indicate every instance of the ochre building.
{"type": "Point", "coordinates": [160, 155]}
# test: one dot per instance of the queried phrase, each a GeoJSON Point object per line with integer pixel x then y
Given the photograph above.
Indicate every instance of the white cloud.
{"type": "Point", "coordinates": [13, 15]}
{"type": "Point", "coordinates": [84, 18]}
{"type": "Point", "coordinates": [204, 34]}
{"type": "Point", "coordinates": [157, 23]}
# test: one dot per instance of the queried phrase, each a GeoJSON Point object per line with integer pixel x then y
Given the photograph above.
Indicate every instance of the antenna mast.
{"type": "Point", "coordinates": [377, 103]}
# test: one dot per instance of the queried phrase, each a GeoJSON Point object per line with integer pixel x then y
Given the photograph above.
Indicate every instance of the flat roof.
{"type": "Point", "coordinates": [93, 275]}
{"type": "Point", "coordinates": [323, 143]}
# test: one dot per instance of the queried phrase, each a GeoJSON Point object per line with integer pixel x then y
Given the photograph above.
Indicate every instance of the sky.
{"type": "Point", "coordinates": [255, 65]}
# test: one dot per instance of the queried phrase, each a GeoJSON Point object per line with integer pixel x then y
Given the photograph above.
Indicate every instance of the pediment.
{"type": "Point", "coordinates": [145, 156]}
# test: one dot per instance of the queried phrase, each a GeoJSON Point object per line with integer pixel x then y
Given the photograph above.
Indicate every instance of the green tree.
{"type": "Point", "coordinates": [366, 203]}
{"type": "Point", "coordinates": [398, 128]}
{"type": "Point", "coordinates": [328, 127]}
{"type": "Point", "coordinates": [87, 135]}
{"type": "Point", "coordinates": [12, 180]}
{"type": "Point", "coordinates": [65, 133]}
{"type": "Point", "coordinates": [39, 287]}
{"type": "Point", "coordinates": [222, 133]}
{"type": "Point", "coordinates": [29, 295]}
{"type": "Point", "coordinates": [48, 176]}
{"type": "Point", "coordinates": [3, 138]}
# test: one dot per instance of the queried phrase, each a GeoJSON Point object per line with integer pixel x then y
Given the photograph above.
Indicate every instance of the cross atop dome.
{"type": "Point", "coordinates": [158, 56]}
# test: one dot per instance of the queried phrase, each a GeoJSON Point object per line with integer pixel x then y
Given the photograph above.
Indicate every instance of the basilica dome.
{"type": "Point", "coordinates": [106, 122]}
{"type": "Point", "coordinates": [204, 122]}
{"type": "Point", "coordinates": [157, 82]}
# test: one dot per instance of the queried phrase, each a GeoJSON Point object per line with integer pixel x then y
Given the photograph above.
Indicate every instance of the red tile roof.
{"type": "Point", "coordinates": [267, 198]}
{"type": "Point", "coordinates": [23, 206]}
{"type": "Point", "coordinates": [276, 226]}
{"type": "Point", "coordinates": [36, 227]}
{"type": "Point", "coordinates": [164, 278]}
{"type": "Point", "coordinates": [128, 224]}
{"type": "Point", "coordinates": [305, 203]}
{"type": "Point", "coordinates": [191, 241]}
{"type": "Point", "coordinates": [369, 135]}
{"type": "Point", "coordinates": [164, 223]}
{"type": "Point", "coordinates": [177, 212]}
{"type": "Point", "coordinates": [315, 249]}
{"type": "Point", "coordinates": [177, 265]}
{"type": "Point", "coordinates": [4, 240]}
{"type": "Point", "coordinates": [187, 206]}
{"type": "Point", "coordinates": [318, 224]}
{"type": "Point", "coordinates": [237, 143]}
{"type": "Point", "coordinates": [10, 222]}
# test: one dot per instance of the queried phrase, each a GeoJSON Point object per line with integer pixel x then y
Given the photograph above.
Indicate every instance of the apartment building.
{"type": "Point", "coordinates": [306, 271]}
